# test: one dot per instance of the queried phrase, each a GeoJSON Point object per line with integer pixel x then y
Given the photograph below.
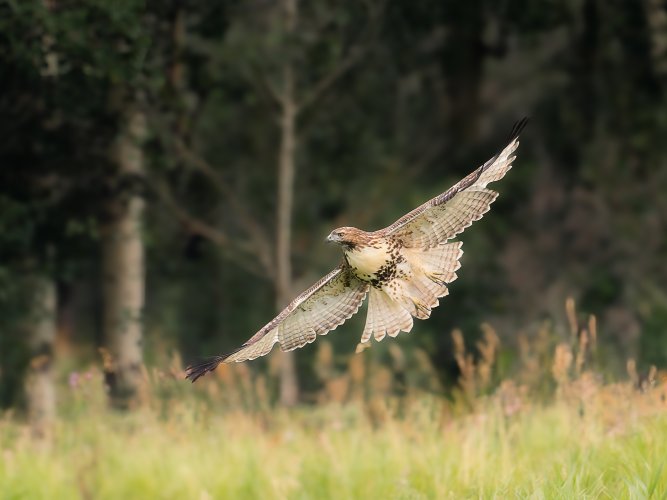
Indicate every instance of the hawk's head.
{"type": "Point", "coordinates": [348, 236]}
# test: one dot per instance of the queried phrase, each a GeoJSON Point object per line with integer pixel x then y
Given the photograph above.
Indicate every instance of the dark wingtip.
{"type": "Point", "coordinates": [518, 128]}
{"type": "Point", "coordinates": [193, 372]}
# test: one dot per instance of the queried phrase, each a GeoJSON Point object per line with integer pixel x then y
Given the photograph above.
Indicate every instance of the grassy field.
{"type": "Point", "coordinates": [592, 441]}
{"type": "Point", "coordinates": [553, 428]}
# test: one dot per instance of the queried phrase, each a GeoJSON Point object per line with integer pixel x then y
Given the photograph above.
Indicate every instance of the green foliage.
{"type": "Point", "coordinates": [66, 65]}
{"type": "Point", "coordinates": [61, 65]}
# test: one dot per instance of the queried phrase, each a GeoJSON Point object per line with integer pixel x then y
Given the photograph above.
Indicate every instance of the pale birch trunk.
{"type": "Point", "coordinates": [40, 326]}
{"type": "Point", "coordinates": [41, 332]}
{"type": "Point", "coordinates": [123, 268]}
{"type": "Point", "coordinates": [289, 387]}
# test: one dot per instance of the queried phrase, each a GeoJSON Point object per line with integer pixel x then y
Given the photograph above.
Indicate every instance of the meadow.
{"type": "Point", "coordinates": [359, 437]}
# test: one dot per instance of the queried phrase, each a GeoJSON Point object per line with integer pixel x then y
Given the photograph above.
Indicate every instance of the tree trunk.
{"type": "Point", "coordinates": [41, 333]}
{"type": "Point", "coordinates": [289, 387]}
{"type": "Point", "coordinates": [41, 324]}
{"type": "Point", "coordinates": [123, 268]}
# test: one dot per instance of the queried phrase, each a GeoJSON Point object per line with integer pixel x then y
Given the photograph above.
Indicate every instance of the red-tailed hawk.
{"type": "Point", "coordinates": [404, 269]}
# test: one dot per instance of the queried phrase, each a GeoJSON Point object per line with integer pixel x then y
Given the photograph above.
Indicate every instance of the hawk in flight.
{"type": "Point", "coordinates": [403, 269]}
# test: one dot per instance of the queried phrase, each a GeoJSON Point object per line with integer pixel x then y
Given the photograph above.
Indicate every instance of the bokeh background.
{"type": "Point", "coordinates": [169, 171]}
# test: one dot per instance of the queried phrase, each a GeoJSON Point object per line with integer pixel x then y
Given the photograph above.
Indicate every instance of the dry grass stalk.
{"type": "Point", "coordinates": [581, 352]}
{"type": "Point", "coordinates": [571, 312]}
{"type": "Point", "coordinates": [593, 330]}
{"type": "Point", "coordinates": [561, 365]}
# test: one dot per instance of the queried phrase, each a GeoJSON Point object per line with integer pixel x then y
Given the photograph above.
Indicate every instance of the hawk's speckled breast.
{"type": "Point", "coordinates": [375, 262]}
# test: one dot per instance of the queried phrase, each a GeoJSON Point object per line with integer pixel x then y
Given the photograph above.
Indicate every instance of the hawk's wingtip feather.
{"type": "Point", "coordinates": [194, 372]}
{"type": "Point", "coordinates": [518, 128]}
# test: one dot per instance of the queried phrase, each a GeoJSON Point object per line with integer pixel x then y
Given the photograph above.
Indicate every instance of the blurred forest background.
{"type": "Point", "coordinates": [169, 171]}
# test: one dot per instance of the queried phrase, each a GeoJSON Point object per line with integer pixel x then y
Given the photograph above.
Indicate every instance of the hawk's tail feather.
{"type": "Point", "coordinates": [193, 372]}
{"type": "Point", "coordinates": [385, 317]}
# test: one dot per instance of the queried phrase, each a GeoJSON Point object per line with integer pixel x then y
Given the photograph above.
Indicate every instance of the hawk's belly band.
{"type": "Point", "coordinates": [367, 261]}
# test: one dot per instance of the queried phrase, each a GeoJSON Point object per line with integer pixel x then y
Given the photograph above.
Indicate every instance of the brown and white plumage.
{"type": "Point", "coordinates": [404, 269]}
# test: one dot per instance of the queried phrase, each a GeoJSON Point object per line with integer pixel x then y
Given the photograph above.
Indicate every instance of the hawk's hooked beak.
{"type": "Point", "coordinates": [333, 238]}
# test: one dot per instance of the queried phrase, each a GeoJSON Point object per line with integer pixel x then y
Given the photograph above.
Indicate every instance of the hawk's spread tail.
{"type": "Point", "coordinates": [385, 317]}
{"type": "Point", "coordinates": [414, 292]}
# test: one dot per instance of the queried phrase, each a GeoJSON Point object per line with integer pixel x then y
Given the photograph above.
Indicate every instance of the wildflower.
{"type": "Point", "coordinates": [74, 380]}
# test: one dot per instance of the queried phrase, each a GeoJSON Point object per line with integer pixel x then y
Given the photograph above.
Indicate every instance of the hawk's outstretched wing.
{"type": "Point", "coordinates": [448, 214]}
{"type": "Point", "coordinates": [320, 309]}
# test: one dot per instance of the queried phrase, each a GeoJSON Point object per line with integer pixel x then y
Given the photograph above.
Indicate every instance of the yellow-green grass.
{"type": "Point", "coordinates": [611, 444]}
{"type": "Point", "coordinates": [552, 430]}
